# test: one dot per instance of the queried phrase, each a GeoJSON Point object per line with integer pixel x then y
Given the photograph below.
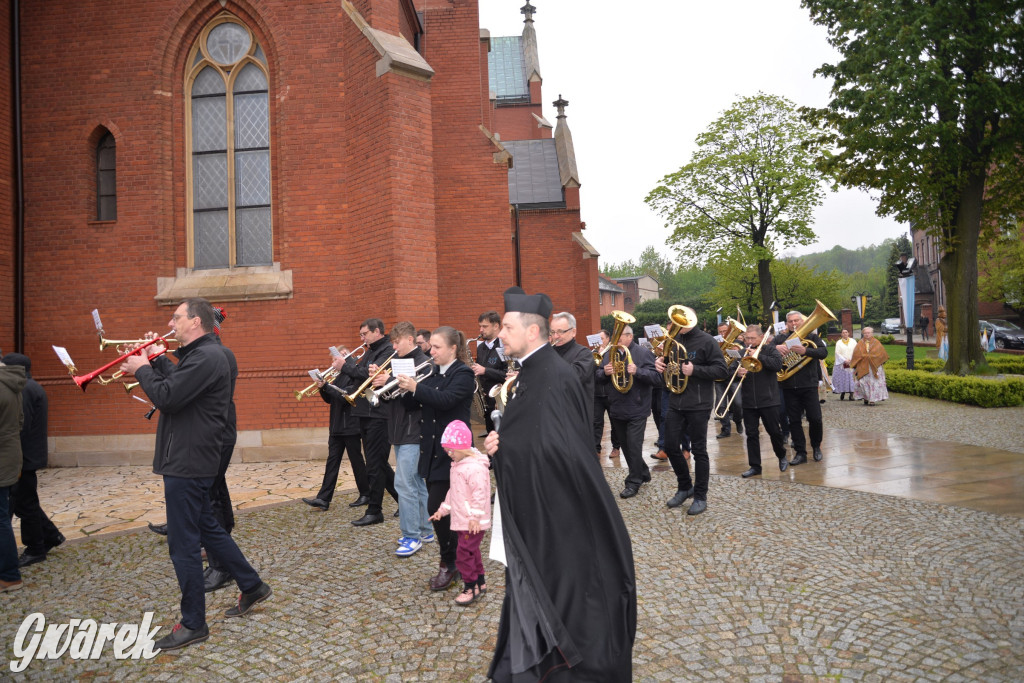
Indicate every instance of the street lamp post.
{"type": "Point", "coordinates": [905, 276]}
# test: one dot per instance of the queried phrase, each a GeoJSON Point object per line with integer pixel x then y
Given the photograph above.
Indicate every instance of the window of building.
{"type": "Point", "coordinates": [228, 142]}
{"type": "Point", "coordinates": [106, 179]}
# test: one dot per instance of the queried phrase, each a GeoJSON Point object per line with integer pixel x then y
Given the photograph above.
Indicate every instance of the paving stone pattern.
{"type": "Point", "coordinates": [777, 581]}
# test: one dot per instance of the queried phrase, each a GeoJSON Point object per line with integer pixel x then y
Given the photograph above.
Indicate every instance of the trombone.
{"type": "Point", "coordinates": [390, 390]}
{"type": "Point", "coordinates": [329, 375]}
{"type": "Point", "coordinates": [351, 398]}
{"type": "Point", "coordinates": [750, 364]}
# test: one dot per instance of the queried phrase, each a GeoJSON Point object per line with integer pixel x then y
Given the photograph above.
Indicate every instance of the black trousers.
{"type": "Point", "coordinates": [799, 401]}
{"type": "Point", "coordinates": [220, 500]}
{"type": "Point", "coordinates": [337, 445]}
{"type": "Point", "coordinates": [379, 475]}
{"type": "Point", "coordinates": [37, 531]}
{"type": "Point", "coordinates": [191, 524]}
{"type": "Point", "coordinates": [769, 416]}
{"type": "Point", "coordinates": [489, 406]}
{"type": "Point", "coordinates": [447, 540]}
{"type": "Point", "coordinates": [632, 432]}
{"type": "Point", "coordinates": [600, 407]}
{"type": "Point", "coordinates": [679, 425]}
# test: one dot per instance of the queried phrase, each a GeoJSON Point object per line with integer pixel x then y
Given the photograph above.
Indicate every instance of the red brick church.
{"type": "Point", "coordinates": [306, 165]}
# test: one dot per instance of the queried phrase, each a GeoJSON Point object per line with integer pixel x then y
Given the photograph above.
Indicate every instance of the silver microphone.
{"type": "Point", "coordinates": [496, 418]}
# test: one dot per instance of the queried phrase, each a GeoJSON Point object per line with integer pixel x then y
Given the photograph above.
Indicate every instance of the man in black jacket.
{"type": "Point", "coordinates": [344, 437]}
{"type": "Point", "coordinates": [490, 368]}
{"type": "Point", "coordinates": [373, 422]}
{"type": "Point", "coordinates": [689, 412]}
{"type": "Point", "coordinates": [193, 398]}
{"type": "Point", "coordinates": [563, 339]}
{"type": "Point", "coordinates": [800, 391]}
{"type": "Point", "coordinates": [601, 407]}
{"type": "Point", "coordinates": [761, 401]}
{"type": "Point", "coordinates": [629, 411]}
{"type": "Point", "coordinates": [38, 533]}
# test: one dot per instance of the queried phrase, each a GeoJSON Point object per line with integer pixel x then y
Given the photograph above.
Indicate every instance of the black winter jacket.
{"type": "Point", "coordinates": [444, 398]}
{"type": "Point", "coordinates": [34, 403]}
{"type": "Point", "coordinates": [807, 377]}
{"type": "Point", "coordinates": [193, 398]}
{"type": "Point", "coordinates": [343, 422]}
{"type": "Point", "coordinates": [404, 412]}
{"type": "Point", "coordinates": [761, 389]}
{"type": "Point", "coordinates": [581, 358]}
{"type": "Point", "coordinates": [378, 352]}
{"type": "Point", "coordinates": [635, 404]}
{"type": "Point", "coordinates": [708, 366]}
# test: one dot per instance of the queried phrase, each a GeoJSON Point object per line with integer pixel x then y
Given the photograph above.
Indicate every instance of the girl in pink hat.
{"type": "Point", "coordinates": [469, 503]}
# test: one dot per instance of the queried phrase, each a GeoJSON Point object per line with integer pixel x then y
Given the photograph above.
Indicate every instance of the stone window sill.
{"type": "Point", "coordinates": [252, 283]}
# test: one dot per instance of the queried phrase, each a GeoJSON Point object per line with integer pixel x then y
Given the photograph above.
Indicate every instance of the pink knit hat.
{"type": "Point", "coordinates": [457, 436]}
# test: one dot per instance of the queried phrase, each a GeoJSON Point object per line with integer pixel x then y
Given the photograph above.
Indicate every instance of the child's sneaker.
{"type": "Point", "coordinates": [408, 546]}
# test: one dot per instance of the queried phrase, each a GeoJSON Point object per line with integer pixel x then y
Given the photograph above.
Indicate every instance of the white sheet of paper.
{"type": "Point", "coordinates": [315, 375]}
{"type": "Point", "coordinates": [733, 353]}
{"type": "Point", "coordinates": [644, 342]}
{"type": "Point", "coordinates": [334, 351]}
{"type": "Point", "coordinates": [793, 343]}
{"type": "Point", "coordinates": [501, 354]}
{"type": "Point", "coordinates": [403, 366]}
{"type": "Point", "coordinates": [652, 331]}
{"type": "Point", "coordinates": [593, 339]}
{"type": "Point", "coordinates": [62, 353]}
{"type": "Point", "coordinates": [497, 550]}
{"type": "Point", "coordinates": [96, 319]}
{"type": "Point", "coordinates": [780, 326]}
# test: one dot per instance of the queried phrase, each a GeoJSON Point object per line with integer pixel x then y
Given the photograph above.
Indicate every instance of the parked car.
{"type": "Point", "coordinates": [1007, 334]}
{"type": "Point", "coordinates": [891, 326]}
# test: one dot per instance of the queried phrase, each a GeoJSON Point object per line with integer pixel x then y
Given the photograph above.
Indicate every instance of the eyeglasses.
{"type": "Point", "coordinates": [561, 332]}
{"type": "Point", "coordinates": [178, 315]}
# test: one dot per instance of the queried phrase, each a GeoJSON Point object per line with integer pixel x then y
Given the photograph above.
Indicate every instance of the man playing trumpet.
{"type": "Point", "coordinates": [760, 393]}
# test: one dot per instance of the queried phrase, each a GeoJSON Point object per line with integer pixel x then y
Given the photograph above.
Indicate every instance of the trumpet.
{"type": "Point", "coordinates": [672, 351]}
{"type": "Point", "coordinates": [83, 380]}
{"type": "Point", "coordinates": [351, 398]}
{"type": "Point", "coordinates": [118, 344]}
{"type": "Point", "coordinates": [329, 375]}
{"type": "Point", "coordinates": [390, 390]}
{"type": "Point", "coordinates": [750, 364]}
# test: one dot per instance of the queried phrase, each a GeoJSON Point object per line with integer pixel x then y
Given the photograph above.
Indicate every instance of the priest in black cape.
{"type": "Point", "coordinates": [570, 599]}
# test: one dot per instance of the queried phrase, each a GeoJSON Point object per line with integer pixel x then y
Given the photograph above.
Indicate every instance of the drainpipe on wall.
{"type": "Point", "coordinates": [19, 239]}
{"type": "Point", "coordinates": [519, 262]}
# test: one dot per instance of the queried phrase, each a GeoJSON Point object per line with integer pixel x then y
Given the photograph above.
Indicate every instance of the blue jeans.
{"type": "Point", "coordinates": [413, 519]}
{"type": "Point", "coordinates": [8, 546]}
{"type": "Point", "coordinates": [191, 524]}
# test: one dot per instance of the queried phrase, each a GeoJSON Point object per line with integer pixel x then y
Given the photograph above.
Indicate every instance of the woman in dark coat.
{"type": "Point", "coordinates": [445, 396]}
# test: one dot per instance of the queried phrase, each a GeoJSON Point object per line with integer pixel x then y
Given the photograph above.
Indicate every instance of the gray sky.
{"type": "Point", "coordinates": [643, 79]}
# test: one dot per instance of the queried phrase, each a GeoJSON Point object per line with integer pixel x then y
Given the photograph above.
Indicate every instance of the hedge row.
{"type": "Point", "coordinates": [987, 393]}
{"type": "Point", "coordinates": [1004, 365]}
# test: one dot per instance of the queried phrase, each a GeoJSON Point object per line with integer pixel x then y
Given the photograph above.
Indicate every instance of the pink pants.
{"type": "Point", "coordinates": [468, 560]}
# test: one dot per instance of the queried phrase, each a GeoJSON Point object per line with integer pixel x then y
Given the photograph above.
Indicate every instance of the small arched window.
{"type": "Point", "coordinates": [106, 179]}
{"type": "Point", "coordinates": [228, 138]}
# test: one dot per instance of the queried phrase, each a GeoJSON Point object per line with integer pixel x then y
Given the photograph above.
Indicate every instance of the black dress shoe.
{"type": "Point", "coordinates": [160, 529]}
{"type": "Point", "coordinates": [697, 506]}
{"type": "Point", "coordinates": [246, 601]}
{"type": "Point", "coordinates": [26, 559]}
{"type": "Point", "coordinates": [783, 464]}
{"type": "Point", "coordinates": [629, 491]}
{"type": "Point", "coordinates": [368, 519]}
{"type": "Point", "coordinates": [215, 579]}
{"type": "Point", "coordinates": [798, 459]}
{"type": "Point", "coordinates": [56, 541]}
{"type": "Point", "coordinates": [396, 515]}
{"type": "Point", "coordinates": [680, 497]}
{"type": "Point", "coordinates": [181, 636]}
{"type": "Point", "coordinates": [722, 435]}
{"type": "Point", "coordinates": [360, 501]}
{"type": "Point", "coordinates": [739, 427]}
{"type": "Point", "coordinates": [646, 478]}
{"type": "Point", "coordinates": [317, 503]}
{"type": "Point", "coordinates": [752, 472]}
{"type": "Point", "coordinates": [818, 455]}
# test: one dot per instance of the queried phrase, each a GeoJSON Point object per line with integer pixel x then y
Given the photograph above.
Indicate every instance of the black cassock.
{"type": "Point", "coordinates": [570, 598]}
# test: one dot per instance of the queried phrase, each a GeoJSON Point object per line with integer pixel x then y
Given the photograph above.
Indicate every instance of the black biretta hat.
{"type": "Point", "coordinates": [518, 301]}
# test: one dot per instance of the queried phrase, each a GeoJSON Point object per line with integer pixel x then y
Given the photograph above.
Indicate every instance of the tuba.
{"type": "Point", "coordinates": [729, 342]}
{"type": "Point", "coordinates": [672, 351]}
{"type": "Point", "coordinates": [618, 355]}
{"type": "Point", "coordinates": [792, 362]}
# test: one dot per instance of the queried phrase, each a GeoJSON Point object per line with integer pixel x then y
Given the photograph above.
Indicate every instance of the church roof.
{"type": "Point", "coordinates": [506, 69]}
{"type": "Point", "coordinates": [534, 179]}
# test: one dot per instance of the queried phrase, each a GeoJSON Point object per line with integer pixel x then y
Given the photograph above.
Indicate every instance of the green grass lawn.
{"type": "Point", "coordinates": [899, 351]}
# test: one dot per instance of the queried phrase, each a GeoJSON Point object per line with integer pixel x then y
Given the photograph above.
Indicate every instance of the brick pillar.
{"type": "Point", "coordinates": [846, 320]}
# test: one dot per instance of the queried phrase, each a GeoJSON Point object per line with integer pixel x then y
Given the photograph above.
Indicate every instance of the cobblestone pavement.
{"type": "Point", "coordinates": [777, 581]}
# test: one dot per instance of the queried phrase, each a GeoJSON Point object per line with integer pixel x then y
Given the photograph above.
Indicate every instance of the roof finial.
{"type": "Point", "coordinates": [560, 105]}
{"type": "Point", "coordinates": [528, 10]}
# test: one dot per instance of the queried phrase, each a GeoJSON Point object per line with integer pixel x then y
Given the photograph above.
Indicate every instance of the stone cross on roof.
{"type": "Point", "coordinates": [528, 10]}
{"type": "Point", "coordinates": [560, 105]}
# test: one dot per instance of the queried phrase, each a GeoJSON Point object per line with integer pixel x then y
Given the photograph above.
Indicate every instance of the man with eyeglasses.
{"type": "Point", "coordinates": [490, 366]}
{"type": "Point", "coordinates": [562, 336]}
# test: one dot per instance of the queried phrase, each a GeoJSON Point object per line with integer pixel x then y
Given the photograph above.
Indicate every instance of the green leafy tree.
{"type": "Point", "coordinates": [749, 192]}
{"type": "Point", "coordinates": [1003, 278]}
{"type": "Point", "coordinates": [927, 107]}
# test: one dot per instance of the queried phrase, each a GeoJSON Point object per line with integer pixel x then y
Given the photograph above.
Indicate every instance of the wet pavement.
{"type": "Point", "coordinates": [895, 558]}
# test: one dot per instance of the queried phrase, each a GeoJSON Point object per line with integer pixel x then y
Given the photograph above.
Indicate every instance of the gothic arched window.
{"type": "Point", "coordinates": [228, 143]}
{"type": "Point", "coordinates": [106, 178]}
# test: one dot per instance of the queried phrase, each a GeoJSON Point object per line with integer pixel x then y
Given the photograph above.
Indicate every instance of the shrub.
{"type": "Point", "coordinates": [885, 339]}
{"type": "Point", "coordinates": [987, 393]}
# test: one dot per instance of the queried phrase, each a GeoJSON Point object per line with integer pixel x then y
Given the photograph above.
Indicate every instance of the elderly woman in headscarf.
{"type": "Point", "coordinates": [868, 369]}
